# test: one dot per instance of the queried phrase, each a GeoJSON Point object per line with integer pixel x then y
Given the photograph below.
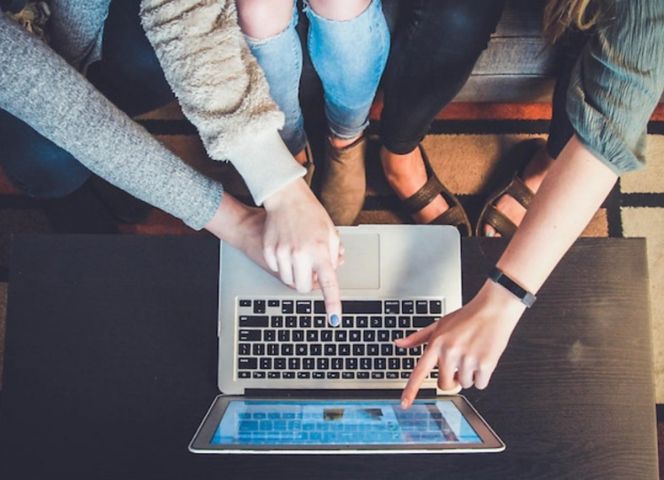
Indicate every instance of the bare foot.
{"type": "Point", "coordinates": [533, 176]}
{"type": "Point", "coordinates": [406, 174]}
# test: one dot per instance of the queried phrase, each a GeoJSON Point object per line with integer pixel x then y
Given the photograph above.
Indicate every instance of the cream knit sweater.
{"type": "Point", "coordinates": [221, 88]}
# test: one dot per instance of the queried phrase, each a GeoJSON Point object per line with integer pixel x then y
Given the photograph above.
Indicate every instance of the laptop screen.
{"type": "Point", "coordinates": [343, 422]}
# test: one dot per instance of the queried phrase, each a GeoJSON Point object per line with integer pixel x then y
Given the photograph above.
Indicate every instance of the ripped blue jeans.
{"type": "Point", "coordinates": [349, 57]}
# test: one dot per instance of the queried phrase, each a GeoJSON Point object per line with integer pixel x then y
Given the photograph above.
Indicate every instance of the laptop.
{"type": "Point", "coordinates": [291, 383]}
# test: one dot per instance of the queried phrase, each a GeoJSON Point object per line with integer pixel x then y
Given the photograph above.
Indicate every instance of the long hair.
{"type": "Point", "coordinates": [559, 15]}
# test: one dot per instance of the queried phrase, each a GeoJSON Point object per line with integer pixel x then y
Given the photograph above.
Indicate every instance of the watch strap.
{"type": "Point", "coordinates": [526, 297]}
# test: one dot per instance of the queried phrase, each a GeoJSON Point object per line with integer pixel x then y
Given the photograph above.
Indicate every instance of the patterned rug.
{"type": "Point", "coordinates": [465, 145]}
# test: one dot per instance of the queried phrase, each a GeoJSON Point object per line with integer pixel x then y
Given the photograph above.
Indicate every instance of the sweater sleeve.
{"type": "Point", "coordinates": [42, 89]}
{"type": "Point", "coordinates": [221, 88]}
{"type": "Point", "coordinates": [617, 82]}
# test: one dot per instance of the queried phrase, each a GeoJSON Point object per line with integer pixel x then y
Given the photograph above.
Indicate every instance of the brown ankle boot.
{"type": "Point", "coordinates": [344, 183]}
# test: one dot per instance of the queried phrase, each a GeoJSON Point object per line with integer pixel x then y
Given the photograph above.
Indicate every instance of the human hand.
{"type": "Point", "coordinates": [465, 344]}
{"type": "Point", "coordinates": [301, 243]}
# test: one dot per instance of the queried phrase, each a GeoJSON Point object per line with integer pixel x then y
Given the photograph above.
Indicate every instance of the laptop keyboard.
{"type": "Point", "coordinates": [282, 339]}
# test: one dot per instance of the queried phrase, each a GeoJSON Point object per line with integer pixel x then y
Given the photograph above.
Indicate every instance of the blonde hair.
{"type": "Point", "coordinates": [559, 15]}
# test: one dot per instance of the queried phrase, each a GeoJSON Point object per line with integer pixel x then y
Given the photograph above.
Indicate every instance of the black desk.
{"type": "Point", "coordinates": [111, 363]}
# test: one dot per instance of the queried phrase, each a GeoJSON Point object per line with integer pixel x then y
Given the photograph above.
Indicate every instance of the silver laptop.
{"type": "Point", "coordinates": [292, 383]}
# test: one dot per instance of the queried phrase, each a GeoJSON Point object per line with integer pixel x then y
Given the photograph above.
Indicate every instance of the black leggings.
{"type": "Point", "coordinates": [434, 49]}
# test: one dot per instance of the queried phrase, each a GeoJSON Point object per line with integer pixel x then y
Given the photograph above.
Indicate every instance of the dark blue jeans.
{"type": "Point", "coordinates": [129, 74]}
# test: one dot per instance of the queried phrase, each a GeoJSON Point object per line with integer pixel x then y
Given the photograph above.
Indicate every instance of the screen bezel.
{"type": "Point", "coordinates": [201, 443]}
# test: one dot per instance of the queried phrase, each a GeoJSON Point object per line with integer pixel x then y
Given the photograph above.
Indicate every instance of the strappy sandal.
{"type": "Point", "coordinates": [515, 188]}
{"type": "Point", "coordinates": [455, 215]}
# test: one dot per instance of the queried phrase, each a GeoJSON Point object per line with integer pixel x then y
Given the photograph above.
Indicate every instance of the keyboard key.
{"type": "Point", "coordinates": [316, 349]}
{"type": "Point", "coordinates": [348, 375]}
{"type": "Point", "coordinates": [250, 335]}
{"type": "Point", "coordinates": [287, 306]}
{"type": "Point", "coordinates": [394, 364]}
{"type": "Point", "coordinates": [362, 375]}
{"type": "Point", "coordinates": [434, 374]}
{"type": "Point", "coordinates": [269, 335]}
{"type": "Point", "coordinates": [369, 336]}
{"type": "Point", "coordinates": [355, 335]}
{"type": "Point", "coordinates": [395, 334]}
{"type": "Point", "coordinates": [291, 321]}
{"type": "Point", "coordinates": [259, 306]}
{"type": "Point", "coordinates": [308, 363]}
{"type": "Point", "coordinates": [330, 349]}
{"type": "Point", "coordinates": [358, 350]}
{"type": "Point", "coordinates": [392, 375]}
{"type": "Point", "coordinates": [280, 363]}
{"type": "Point", "coordinates": [408, 363]}
{"type": "Point", "coordinates": [347, 322]}
{"type": "Point", "coordinates": [392, 306]}
{"type": "Point", "coordinates": [322, 363]}
{"type": "Point", "coordinates": [288, 375]}
{"type": "Point", "coordinates": [298, 335]}
{"type": "Point", "coordinates": [294, 363]}
{"type": "Point", "coordinates": [372, 349]}
{"type": "Point", "coordinates": [287, 349]}
{"type": "Point", "coordinates": [344, 349]}
{"type": "Point", "coordinates": [421, 322]}
{"type": "Point", "coordinates": [266, 363]}
{"type": "Point", "coordinates": [435, 307]}
{"type": "Point", "coordinates": [277, 321]}
{"type": "Point", "coordinates": [379, 363]}
{"type": "Point", "coordinates": [383, 335]}
{"type": "Point", "coordinates": [247, 363]}
{"type": "Point", "coordinates": [332, 375]}
{"type": "Point", "coordinates": [351, 363]}
{"type": "Point", "coordinates": [365, 363]}
{"type": "Point", "coordinates": [326, 335]}
{"type": "Point", "coordinates": [274, 375]}
{"type": "Point", "coordinates": [258, 374]}
{"type": "Point", "coordinates": [320, 322]}
{"type": "Point", "coordinates": [401, 351]}
{"type": "Point", "coordinates": [361, 306]}
{"type": "Point", "coordinates": [258, 349]}
{"type": "Point", "coordinates": [273, 349]}
{"type": "Point", "coordinates": [305, 322]}
{"type": "Point", "coordinates": [273, 303]}
{"type": "Point", "coordinates": [337, 363]}
{"type": "Point", "coordinates": [407, 307]}
{"type": "Point", "coordinates": [422, 306]}
{"type": "Point", "coordinates": [244, 349]}
{"type": "Point", "coordinates": [303, 306]}
{"type": "Point", "coordinates": [303, 375]}
{"type": "Point", "coordinates": [284, 335]}
{"type": "Point", "coordinates": [405, 375]}
{"type": "Point", "coordinates": [244, 375]}
{"type": "Point", "coordinates": [301, 349]}
{"type": "Point", "coordinates": [376, 322]}
{"type": "Point", "coordinates": [362, 322]}
{"type": "Point", "coordinates": [245, 303]}
{"type": "Point", "coordinates": [318, 375]}
{"type": "Point", "coordinates": [390, 322]}
{"type": "Point", "coordinates": [386, 349]}
{"type": "Point", "coordinates": [377, 375]}
{"type": "Point", "coordinates": [312, 335]}
{"type": "Point", "coordinates": [254, 321]}
{"type": "Point", "coordinates": [340, 335]}
{"type": "Point", "coordinates": [404, 322]}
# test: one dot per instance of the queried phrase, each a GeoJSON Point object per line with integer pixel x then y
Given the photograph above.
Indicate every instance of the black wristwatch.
{"type": "Point", "coordinates": [526, 297]}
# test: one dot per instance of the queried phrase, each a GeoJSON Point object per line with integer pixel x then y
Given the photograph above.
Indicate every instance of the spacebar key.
{"type": "Point", "coordinates": [350, 307]}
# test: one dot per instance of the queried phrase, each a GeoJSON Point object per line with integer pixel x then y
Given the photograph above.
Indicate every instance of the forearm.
{"type": "Point", "coordinates": [573, 190]}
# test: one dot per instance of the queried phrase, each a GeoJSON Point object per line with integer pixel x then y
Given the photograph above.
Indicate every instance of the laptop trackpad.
{"type": "Point", "coordinates": [362, 266]}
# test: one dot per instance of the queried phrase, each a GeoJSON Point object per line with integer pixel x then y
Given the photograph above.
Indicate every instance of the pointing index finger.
{"type": "Point", "coordinates": [327, 280]}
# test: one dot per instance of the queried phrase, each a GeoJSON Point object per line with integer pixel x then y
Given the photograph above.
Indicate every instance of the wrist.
{"type": "Point", "coordinates": [227, 219]}
{"type": "Point", "coordinates": [285, 195]}
{"type": "Point", "coordinates": [501, 302]}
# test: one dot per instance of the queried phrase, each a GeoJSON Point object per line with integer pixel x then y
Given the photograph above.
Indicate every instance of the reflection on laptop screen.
{"type": "Point", "coordinates": [379, 422]}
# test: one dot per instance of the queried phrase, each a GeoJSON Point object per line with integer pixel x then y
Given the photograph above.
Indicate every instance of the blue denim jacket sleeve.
{"type": "Point", "coordinates": [617, 83]}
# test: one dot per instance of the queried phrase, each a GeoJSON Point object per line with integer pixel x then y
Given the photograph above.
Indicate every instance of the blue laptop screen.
{"type": "Point", "coordinates": [362, 422]}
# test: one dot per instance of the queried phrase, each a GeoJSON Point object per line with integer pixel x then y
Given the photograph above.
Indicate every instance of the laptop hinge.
{"type": "Point", "coordinates": [332, 393]}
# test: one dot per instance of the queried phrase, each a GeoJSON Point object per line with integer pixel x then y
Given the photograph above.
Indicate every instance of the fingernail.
{"type": "Point", "coordinates": [334, 320]}
{"type": "Point", "coordinates": [489, 233]}
{"type": "Point", "coordinates": [404, 404]}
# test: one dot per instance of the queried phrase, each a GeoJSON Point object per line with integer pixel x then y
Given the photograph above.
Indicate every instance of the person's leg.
{"type": "Point", "coordinates": [560, 131]}
{"type": "Point", "coordinates": [434, 50]}
{"type": "Point", "coordinates": [269, 28]}
{"type": "Point", "coordinates": [348, 43]}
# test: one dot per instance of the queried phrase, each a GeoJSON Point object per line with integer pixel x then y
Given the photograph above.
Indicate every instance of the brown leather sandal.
{"type": "Point", "coordinates": [515, 188]}
{"type": "Point", "coordinates": [455, 215]}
